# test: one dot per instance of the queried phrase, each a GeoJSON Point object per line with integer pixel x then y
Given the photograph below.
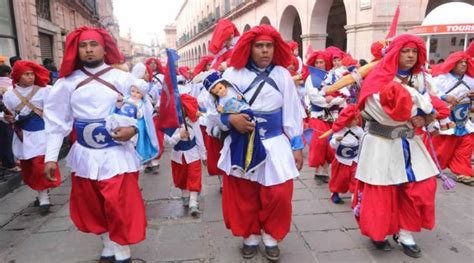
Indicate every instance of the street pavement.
{"type": "Point", "coordinates": [320, 232]}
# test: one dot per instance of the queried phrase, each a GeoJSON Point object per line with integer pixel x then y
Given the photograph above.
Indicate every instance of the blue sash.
{"type": "Point", "coordinates": [347, 152]}
{"type": "Point", "coordinates": [34, 123]}
{"type": "Point", "coordinates": [261, 76]}
{"type": "Point", "coordinates": [459, 115]}
{"type": "Point", "coordinates": [185, 145]}
{"type": "Point", "coordinates": [92, 134]}
{"type": "Point", "coordinates": [270, 124]}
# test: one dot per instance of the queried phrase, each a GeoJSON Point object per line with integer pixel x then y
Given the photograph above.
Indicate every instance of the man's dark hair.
{"type": "Point", "coordinates": [13, 60]}
{"type": "Point", "coordinates": [47, 61]}
{"type": "Point", "coordinates": [362, 62]}
{"type": "Point", "coordinates": [5, 70]}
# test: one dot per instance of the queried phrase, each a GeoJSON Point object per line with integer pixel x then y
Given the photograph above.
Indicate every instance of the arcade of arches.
{"type": "Point", "coordinates": [347, 24]}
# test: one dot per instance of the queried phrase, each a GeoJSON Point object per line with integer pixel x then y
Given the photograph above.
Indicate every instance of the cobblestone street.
{"type": "Point", "coordinates": [321, 231]}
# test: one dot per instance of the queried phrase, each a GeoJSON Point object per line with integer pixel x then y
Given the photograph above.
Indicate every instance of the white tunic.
{"type": "Point", "coordinates": [279, 165]}
{"type": "Point", "coordinates": [198, 152]}
{"type": "Point", "coordinates": [381, 160]}
{"type": "Point", "coordinates": [91, 101]}
{"type": "Point", "coordinates": [349, 140]}
{"type": "Point", "coordinates": [34, 143]}
{"type": "Point", "coordinates": [447, 81]}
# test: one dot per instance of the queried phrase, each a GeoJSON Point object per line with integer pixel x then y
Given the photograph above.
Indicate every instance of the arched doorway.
{"type": "Point", "coordinates": [265, 21]}
{"type": "Point", "coordinates": [290, 26]}
{"type": "Point", "coordinates": [246, 28]}
{"type": "Point", "coordinates": [204, 50]}
{"type": "Point", "coordinates": [337, 19]}
{"type": "Point", "coordinates": [328, 19]}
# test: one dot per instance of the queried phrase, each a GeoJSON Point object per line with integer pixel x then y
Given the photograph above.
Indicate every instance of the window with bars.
{"type": "Point", "coordinates": [43, 9]}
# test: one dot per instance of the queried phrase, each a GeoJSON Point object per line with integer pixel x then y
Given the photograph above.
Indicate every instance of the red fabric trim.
{"type": "Point", "coordinates": [205, 60]}
{"type": "Point", "coordinates": [396, 101]}
{"type": "Point", "coordinates": [349, 113]}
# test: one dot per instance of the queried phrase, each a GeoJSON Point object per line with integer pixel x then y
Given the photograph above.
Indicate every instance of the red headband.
{"type": "Point", "coordinates": [410, 45]}
{"type": "Point", "coordinates": [92, 35]}
{"type": "Point", "coordinates": [263, 38]}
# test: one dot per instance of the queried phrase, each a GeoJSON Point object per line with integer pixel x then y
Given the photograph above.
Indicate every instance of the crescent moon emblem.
{"type": "Point", "coordinates": [460, 113]}
{"type": "Point", "coordinates": [87, 133]}
{"type": "Point", "coordinates": [347, 153]}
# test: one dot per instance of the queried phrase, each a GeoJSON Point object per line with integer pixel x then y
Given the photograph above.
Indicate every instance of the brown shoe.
{"type": "Point", "coordinates": [248, 251]}
{"type": "Point", "coordinates": [467, 180]}
{"type": "Point", "coordinates": [272, 253]}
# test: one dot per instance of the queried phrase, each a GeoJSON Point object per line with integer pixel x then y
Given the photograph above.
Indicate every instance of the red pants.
{"type": "Point", "coordinates": [249, 207]}
{"type": "Point", "coordinates": [454, 152]}
{"type": "Point", "coordinates": [161, 136]}
{"type": "Point", "coordinates": [384, 210]}
{"type": "Point", "coordinates": [342, 177]}
{"type": "Point", "coordinates": [213, 148]}
{"type": "Point", "coordinates": [114, 205]}
{"type": "Point", "coordinates": [187, 176]}
{"type": "Point", "coordinates": [32, 173]}
{"type": "Point", "coordinates": [320, 152]}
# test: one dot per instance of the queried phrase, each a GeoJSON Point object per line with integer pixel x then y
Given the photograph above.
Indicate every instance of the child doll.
{"type": "Point", "coordinates": [247, 149]}
{"type": "Point", "coordinates": [136, 110]}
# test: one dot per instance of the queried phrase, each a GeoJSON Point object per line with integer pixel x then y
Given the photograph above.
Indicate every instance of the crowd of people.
{"type": "Point", "coordinates": [382, 131]}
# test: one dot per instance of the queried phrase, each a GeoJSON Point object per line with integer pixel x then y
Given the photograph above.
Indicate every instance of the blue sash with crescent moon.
{"type": "Point", "coordinates": [93, 134]}
{"type": "Point", "coordinates": [459, 115]}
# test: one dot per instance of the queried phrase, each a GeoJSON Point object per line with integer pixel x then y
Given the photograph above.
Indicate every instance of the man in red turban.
{"type": "Point", "coordinates": [104, 165]}
{"type": "Point", "coordinates": [295, 50]}
{"type": "Point", "coordinates": [158, 70]}
{"type": "Point", "coordinates": [26, 102]}
{"type": "Point", "coordinates": [223, 40]}
{"type": "Point", "coordinates": [257, 205]}
{"type": "Point", "coordinates": [455, 81]}
{"type": "Point", "coordinates": [397, 183]}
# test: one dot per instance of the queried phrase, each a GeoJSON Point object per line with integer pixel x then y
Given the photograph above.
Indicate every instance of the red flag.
{"type": "Point", "coordinates": [170, 116]}
{"type": "Point", "coordinates": [309, 50]}
{"type": "Point", "coordinates": [393, 28]}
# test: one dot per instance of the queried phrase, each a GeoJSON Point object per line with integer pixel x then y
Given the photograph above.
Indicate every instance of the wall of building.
{"type": "Point", "coordinates": [366, 21]}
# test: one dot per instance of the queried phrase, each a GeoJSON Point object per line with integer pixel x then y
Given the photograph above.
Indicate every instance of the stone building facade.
{"type": "Point", "coordinates": [352, 25]}
{"type": "Point", "coordinates": [39, 27]}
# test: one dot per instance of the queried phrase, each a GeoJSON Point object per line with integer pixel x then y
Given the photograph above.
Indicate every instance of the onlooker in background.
{"type": "Point", "coordinates": [6, 132]}
{"type": "Point", "coordinates": [49, 65]}
{"type": "Point", "coordinates": [3, 59]}
{"type": "Point", "coordinates": [13, 60]}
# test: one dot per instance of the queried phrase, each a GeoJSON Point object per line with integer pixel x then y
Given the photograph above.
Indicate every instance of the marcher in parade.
{"type": "Point", "coordinates": [257, 205]}
{"type": "Point", "coordinates": [455, 144]}
{"type": "Point", "coordinates": [104, 176]}
{"type": "Point", "coordinates": [396, 175]}
{"type": "Point", "coordinates": [26, 102]}
{"type": "Point", "coordinates": [223, 40]}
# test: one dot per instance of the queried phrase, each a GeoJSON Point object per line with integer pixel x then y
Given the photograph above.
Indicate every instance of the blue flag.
{"type": "Point", "coordinates": [317, 76]}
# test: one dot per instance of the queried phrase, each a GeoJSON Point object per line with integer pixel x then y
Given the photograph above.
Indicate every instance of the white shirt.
{"type": "Point", "coordinates": [34, 143]}
{"type": "Point", "coordinates": [91, 101]}
{"type": "Point", "coordinates": [381, 160]}
{"type": "Point", "coordinates": [318, 98]}
{"type": "Point", "coordinates": [198, 152]}
{"type": "Point", "coordinates": [279, 165]}
{"type": "Point", "coordinates": [349, 141]}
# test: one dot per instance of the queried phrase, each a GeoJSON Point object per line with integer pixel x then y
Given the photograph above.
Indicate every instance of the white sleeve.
{"type": "Point", "coordinates": [334, 144]}
{"type": "Point", "coordinates": [314, 95]}
{"type": "Point", "coordinates": [58, 119]}
{"type": "Point", "coordinates": [199, 140]}
{"type": "Point", "coordinates": [174, 139]}
{"type": "Point", "coordinates": [292, 109]}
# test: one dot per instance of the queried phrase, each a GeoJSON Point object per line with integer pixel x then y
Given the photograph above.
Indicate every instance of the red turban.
{"type": "Point", "coordinates": [377, 50]}
{"type": "Point", "coordinates": [348, 114]}
{"type": "Point", "coordinates": [348, 61]}
{"type": "Point", "coordinates": [190, 106]}
{"type": "Point", "coordinates": [293, 45]}
{"type": "Point", "coordinates": [22, 66]}
{"type": "Point", "coordinates": [159, 67]}
{"type": "Point", "coordinates": [224, 29]}
{"type": "Point", "coordinates": [320, 55]}
{"type": "Point", "coordinates": [205, 60]}
{"type": "Point", "coordinates": [71, 60]}
{"type": "Point", "coordinates": [334, 52]}
{"type": "Point", "coordinates": [451, 62]}
{"type": "Point", "coordinates": [470, 49]}
{"type": "Point", "coordinates": [150, 72]}
{"type": "Point", "coordinates": [385, 70]}
{"type": "Point", "coordinates": [281, 53]}
{"type": "Point", "coordinates": [184, 71]}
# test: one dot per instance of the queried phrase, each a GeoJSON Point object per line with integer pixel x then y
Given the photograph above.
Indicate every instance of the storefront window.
{"type": "Point", "coordinates": [8, 44]}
